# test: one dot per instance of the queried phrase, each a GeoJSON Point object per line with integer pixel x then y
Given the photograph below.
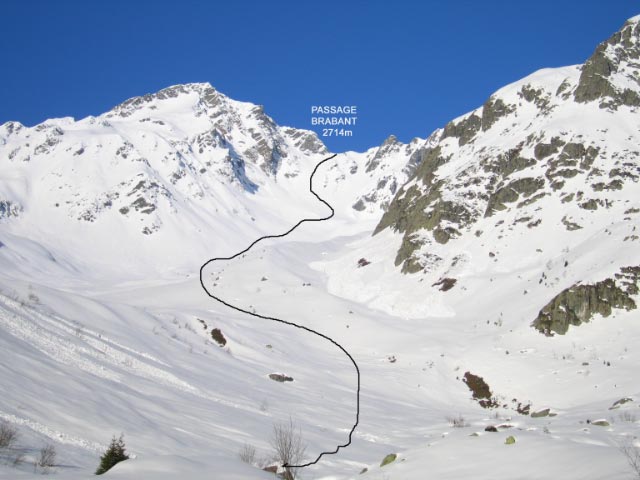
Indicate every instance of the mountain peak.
{"type": "Point", "coordinates": [632, 20]}
{"type": "Point", "coordinates": [205, 92]}
{"type": "Point", "coordinates": [610, 75]}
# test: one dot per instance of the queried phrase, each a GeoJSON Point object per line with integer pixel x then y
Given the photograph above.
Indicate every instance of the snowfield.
{"type": "Point", "coordinates": [104, 328]}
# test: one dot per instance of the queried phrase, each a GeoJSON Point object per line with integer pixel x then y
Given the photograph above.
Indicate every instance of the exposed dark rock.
{"type": "Point", "coordinates": [622, 48]}
{"type": "Point", "coordinates": [523, 409]}
{"type": "Point", "coordinates": [363, 262]}
{"type": "Point", "coordinates": [612, 185]}
{"type": "Point", "coordinates": [594, 83]}
{"type": "Point", "coordinates": [389, 145]}
{"type": "Point", "coordinates": [143, 206]}
{"type": "Point", "coordinates": [493, 110]}
{"type": "Point", "coordinates": [590, 204]}
{"type": "Point", "coordinates": [535, 223]}
{"type": "Point", "coordinates": [464, 130]}
{"type": "Point", "coordinates": [12, 127]}
{"type": "Point", "coordinates": [127, 107]}
{"type": "Point", "coordinates": [359, 205]}
{"type": "Point", "coordinates": [576, 153]}
{"type": "Point", "coordinates": [507, 163]}
{"type": "Point", "coordinates": [511, 193]}
{"type": "Point", "coordinates": [306, 141]}
{"type": "Point", "coordinates": [51, 141]}
{"type": "Point", "coordinates": [280, 377]}
{"type": "Point", "coordinates": [628, 278]}
{"type": "Point", "coordinates": [388, 459]}
{"type": "Point", "coordinates": [536, 96]}
{"type": "Point", "coordinates": [413, 210]}
{"type": "Point", "coordinates": [618, 403]}
{"type": "Point", "coordinates": [541, 413]}
{"type": "Point", "coordinates": [430, 160]}
{"type": "Point", "coordinates": [543, 150]}
{"type": "Point", "coordinates": [531, 199]}
{"type": "Point", "coordinates": [218, 337]}
{"type": "Point", "coordinates": [566, 173]}
{"type": "Point", "coordinates": [480, 390]}
{"type": "Point", "coordinates": [579, 303]}
{"type": "Point", "coordinates": [569, 224]}
{"type": "Point", "coordinates": [445, 284]}
{"type": "Point", "coordinates": [563, 90]}
{"type": "Point", "coordinates": [499, 198]}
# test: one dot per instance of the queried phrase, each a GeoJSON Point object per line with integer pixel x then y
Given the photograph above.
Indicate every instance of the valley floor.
{"type": "Point", "coordinates": [81, 365]}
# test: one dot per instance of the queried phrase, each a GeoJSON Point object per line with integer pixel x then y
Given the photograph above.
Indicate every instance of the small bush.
{"type": "Point", "coordinates": [248, 454]}
{"type": "Point", "coordinates": [288, 447]}
{"type": "Point", "coordinates": [116, 453]}
{"type": "Point", "coordinates": [628, 417]}
{"type": "Point", "coordinates": [457, 422]}
{"type": "Point", "coordinates": [47, 457]}
{"type": "Point", "coordinates": [8, 435]}
{"type": "Point", "coordinates": [632, 454]}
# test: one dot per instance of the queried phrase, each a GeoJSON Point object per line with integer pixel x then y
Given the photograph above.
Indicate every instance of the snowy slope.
{"type": "Point", "coordinates": [105, 223]}
{"type": "Point", "coordinates": [162, 171]}
{"type": "Point", "coordinates": [104, 327]}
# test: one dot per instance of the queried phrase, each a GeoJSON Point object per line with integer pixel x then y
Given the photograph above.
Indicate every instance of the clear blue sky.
{"type": "Point", "coordinates": [409, 66]}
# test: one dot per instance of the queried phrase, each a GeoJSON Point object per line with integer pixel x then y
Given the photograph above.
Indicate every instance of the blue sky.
{"type": "Point", "coordinates": [409, 66]}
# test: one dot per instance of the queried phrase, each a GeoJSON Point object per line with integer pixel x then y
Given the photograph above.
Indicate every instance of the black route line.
{"type": "Point", "coordinates": [302, 327]}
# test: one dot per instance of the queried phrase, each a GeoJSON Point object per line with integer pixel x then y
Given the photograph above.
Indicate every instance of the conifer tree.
{"type": "Point", "coordinates": [115, 454]}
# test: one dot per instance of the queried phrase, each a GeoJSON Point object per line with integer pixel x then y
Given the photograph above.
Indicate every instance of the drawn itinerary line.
{"type": "Point", "coordinates": [286, 322]}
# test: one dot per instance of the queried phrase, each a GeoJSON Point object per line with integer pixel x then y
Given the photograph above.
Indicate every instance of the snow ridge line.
{"type": "Point", "coordinates": [302, 327]}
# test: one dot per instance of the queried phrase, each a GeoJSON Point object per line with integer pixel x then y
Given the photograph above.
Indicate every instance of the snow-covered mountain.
{"type": "Point", "coordinates": [546, 170]}
{"type": "Point", "coordinates": [174, 166]}
{"type": "Point", "coordinates": [469, 274]}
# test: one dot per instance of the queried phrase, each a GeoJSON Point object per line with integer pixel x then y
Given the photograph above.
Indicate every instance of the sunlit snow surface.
{"type": "Point", "coordinates": [105, 330]}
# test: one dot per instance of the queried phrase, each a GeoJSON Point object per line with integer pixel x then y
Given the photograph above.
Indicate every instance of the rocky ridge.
{"type": "Point", "coordinates": [565, 134]}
